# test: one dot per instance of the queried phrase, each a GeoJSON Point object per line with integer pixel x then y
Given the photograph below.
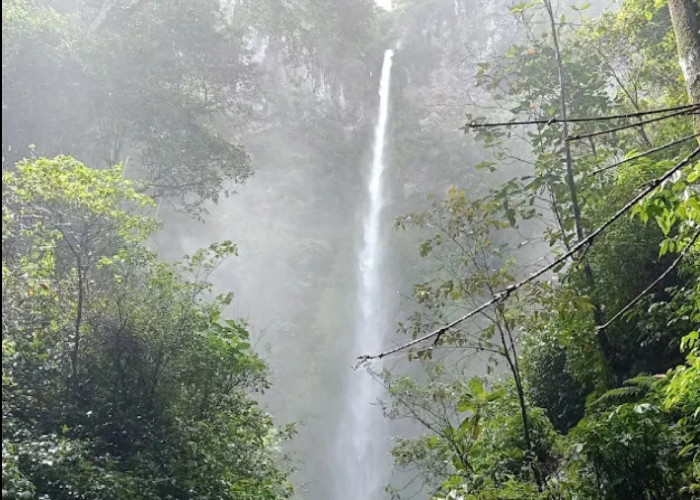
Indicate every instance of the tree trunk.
{"type": "Point", "coordinates": [685, 16]}
{"type": "Point", "coordinates": [604, 342]}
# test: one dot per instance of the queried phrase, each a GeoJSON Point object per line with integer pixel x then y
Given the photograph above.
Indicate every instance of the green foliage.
{"type": "Point", "coordinates": [469, 263]}
{"type": "Point", "coordinates": [632, 390]}
{"type": "Point", "coordinates": [501, 453]}
{"type": "Point", "coordinates": [628, 452]}
{"type": "Point", "coordinates": [171, 87]}
{"type": "Point", "coordinates": [119, 379]}
{"type": "Point", "coordinates": [473, 440]}
{"type": "Point", "coordinates": [511, 489]}
{"type": "Point", "coordinates": [561, 346]}
{"type": "Point", "coordinates": [676, 210]}
{"type": "Point", "coordinates": [444, 448]}
{"type": "Point", "coordinates": [86, 85]}
{"type": "Point", "coordinates": [682, 396]}
{"type": "Point", "coordinates": [682, 389]}
{"type": "Point", "coordinates": [591, 435]}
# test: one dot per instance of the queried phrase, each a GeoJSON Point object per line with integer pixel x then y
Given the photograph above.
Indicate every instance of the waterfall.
{"type": "Point", "coordinates": [363, 445]}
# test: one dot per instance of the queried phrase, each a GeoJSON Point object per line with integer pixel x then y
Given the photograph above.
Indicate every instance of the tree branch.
{"type": "Point", "coordinates": [506, 292]}
{"type": "Point", "coordinates": [550, 121]}
{"type": "Point", "coordinates": [639, 297]}
{"type": "Point", "coordinates": [645, 153]}
{"type": "Point", "coordinates": [693, 109]}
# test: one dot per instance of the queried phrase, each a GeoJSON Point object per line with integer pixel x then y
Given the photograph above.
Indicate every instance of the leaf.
{"type": "Point", "coordinates": [466, 403]}
{"type": "Point", "coordinates": [476, 386]}
{"type": "Point", "coordinates": [643, 408]}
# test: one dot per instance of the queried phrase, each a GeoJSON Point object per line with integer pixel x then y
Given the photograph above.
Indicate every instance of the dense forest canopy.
{"type": "Point", "coordinates": [544, 180]}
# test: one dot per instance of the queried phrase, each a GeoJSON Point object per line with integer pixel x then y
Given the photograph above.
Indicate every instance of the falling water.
{"type": "Point", "coordinates": [363, 447]}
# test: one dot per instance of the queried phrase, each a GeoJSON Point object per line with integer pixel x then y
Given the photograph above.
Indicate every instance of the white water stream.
{"type": "Point", "coordinates": [364, 446]}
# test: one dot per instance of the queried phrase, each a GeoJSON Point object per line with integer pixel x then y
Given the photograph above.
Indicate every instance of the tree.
{"type": "Point", "coordinates": [169, 89]}
{"type": "Point", "coordinates": [538, 93]}
{"type": "Point", "coordinates": [146, 86]}
{"type": "Point", "coordinates": [119, 379]}
{"type": "Point", "coordinates": [585, 108]}
{"type": "Point", "coordinates": [472, 265]}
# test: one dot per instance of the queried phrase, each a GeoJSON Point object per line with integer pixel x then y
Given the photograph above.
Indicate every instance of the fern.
{"type": "Point", "coordinates": [632, 390]}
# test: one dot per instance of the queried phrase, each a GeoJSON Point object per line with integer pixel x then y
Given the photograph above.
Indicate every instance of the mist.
{"type": "Point", "coordinates": [302, 132]}
{"type": "Point", "coordinates": [298, 226]}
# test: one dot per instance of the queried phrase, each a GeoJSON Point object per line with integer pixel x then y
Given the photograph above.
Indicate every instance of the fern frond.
{"type": "Point", "coordinates": [633, 390]}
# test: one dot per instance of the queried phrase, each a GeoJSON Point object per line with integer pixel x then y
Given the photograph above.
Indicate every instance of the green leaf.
{"type": "Point", "coordinates": [476, 387]}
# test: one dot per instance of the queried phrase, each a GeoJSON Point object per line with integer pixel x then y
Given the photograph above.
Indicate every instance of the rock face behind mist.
{"type": "Point", "coordinates": [296, 224]}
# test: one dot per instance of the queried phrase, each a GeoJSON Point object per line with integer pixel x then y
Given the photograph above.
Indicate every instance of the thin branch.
{"type": "Point", "coordinates": [639, 297]}
{"type": "Point", "coordinates": [550, 121]}
{"type": "Point", "coordinates": [693, 109]}
{"type": "Point", "coordinates": [506, 292]}
{"type": "Point", "coordinates": [645, 153]}
{"type": "Point", "coordinates": [633, 98]}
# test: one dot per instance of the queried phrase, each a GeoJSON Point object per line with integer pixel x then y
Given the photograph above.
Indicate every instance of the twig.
{"type": "Point", "coordinates": [692, 110]}
{"type": "Point", "coordinates": [645, 153]}
{"type": "Point", "coordinates": [506, 292]}
{"type": "Point", "coordinates": [550, 121]}
{"type": "Point", "coordinates": [670, 268]}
